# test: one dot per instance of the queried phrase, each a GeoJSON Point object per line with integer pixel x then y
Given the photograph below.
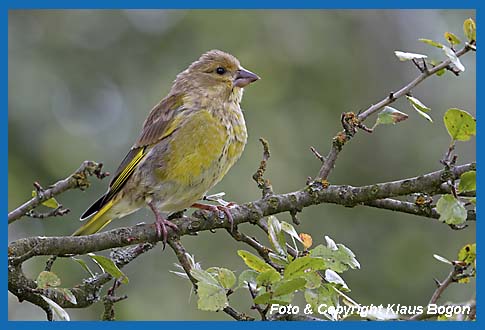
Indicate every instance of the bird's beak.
{"type": "Point", "coordinates": [244, 78]}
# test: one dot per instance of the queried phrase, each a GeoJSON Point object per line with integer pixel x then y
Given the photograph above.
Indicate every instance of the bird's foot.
{"type": "Point", "coordinates": [161, 225]}
{"type": "Point", "coordinates": [225, 209]}
{"type": "Point", "coordinates": [162, 232]}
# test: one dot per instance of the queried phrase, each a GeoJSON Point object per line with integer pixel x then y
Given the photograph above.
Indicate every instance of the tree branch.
{"type": "Point", "coordinates": [78, 179]}
{"type": "Point", "coordinates": [86, 293]}
{"type": "Point", "coordinates": [262, 250]}
{"type": "Point", "coordinates": [343, 137]}
{"type": "Point", "coordinates": [181, 254]}
{"type": "Point", "coordinates": [25, 248]}
{"type": "Point", "coordinates": [441, 287]}
{"type": "Point", "coordinates": [139, 238]}
{"type": "Point", "coordinates": [411, 208]}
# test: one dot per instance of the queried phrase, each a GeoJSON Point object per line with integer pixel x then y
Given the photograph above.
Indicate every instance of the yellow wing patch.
{"type": "Point", "coordinates": [125, 174]}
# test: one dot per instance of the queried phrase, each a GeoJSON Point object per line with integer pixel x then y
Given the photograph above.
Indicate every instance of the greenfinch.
{"type": "Point", "coordinates": [188, 142]}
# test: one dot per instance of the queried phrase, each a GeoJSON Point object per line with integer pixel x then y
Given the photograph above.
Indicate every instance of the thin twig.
{"type": "Point", "coordinates": [57, 212]}
{"type": "Point", "coordinates": [342, 138]}
{"type": "Point", "coordinates": [263, 184]}
{"type": "Point", "coordinates": [237, 315]}
{"type": "Point", "coordinates": [86, 293]}
{"type": "Point", "coordinates": [181, 254]}
{"type": "Point", "coordinates": [78, 179]}
{"type": "Point", "coordinates": [317, 154]}
{"type": "Point", "coordinates": [262, 250]}
{"type": "Point", "coordinates": [411, 208]}
{"type": "Point", "coordinates": [441, 287]}
{"type": "Point", "coordinates": [50, 263]}
{"type": "Point", "coordinates": [110, 300]}
{"type": "Point", "coordinates": [261, 311]}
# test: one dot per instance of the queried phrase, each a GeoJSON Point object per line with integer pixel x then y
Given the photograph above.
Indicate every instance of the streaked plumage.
{"type": "Point", "coordinates": [188, 143]}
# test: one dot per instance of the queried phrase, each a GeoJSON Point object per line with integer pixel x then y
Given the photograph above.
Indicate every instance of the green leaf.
{"type": "Point", "coordinates": [83, 265]}
{"type": "Point", "coordinates": [268, 277]}
{"type": "Point", "coordinates": [425, 115]}
{"type": "Point", "coordinates": [337, 256]}
{"type": "Point", "coordinates": [277, 259]}
{"type": "Point", "coordinates": [285, 287]}
{"type": "Point", "coordinates": [333, 277]}
{"type": "Point", "coordinates": [225, 276]}
{"type": "Point", "coordinates": [313, 280]}
{"type": "Point", "coordinates": [68, 295]}
{"type": "Point", "coordinates": [324, 295]}
{"type": "Point", "coordinates": [442, 259]}
{"type": "Point", "coordinates": [431, 42]}
{"type": "Point", "coordinates": [453, 58]}
{"type": "Point", "coordinates": [419, 107]}
{"type": "Point", "coordinates": [441, 72]}
{"type": "Point", "coordinates": [468, 182]}
{"type": "Point", "coordinates": [403, 56]}
{"type": "Point", "coordinates": [451, 210]}
{"type": "Point", "coordinates": [247, 277]}
{"type": "Point", "coordinates": [47, 280]}
{"type": "Point", "coordinates": [452, 39]}
{"type": "Point", "coordinates": [211, 297]}
{"type": "Point", "coordinates": [331, 243]}
{"type": "Point", "coordinates": [301, 265]}
{"type": "Point", "coordinates": [51, 202]}
{"type": "Point", "coordinates": [460, 124]}
{"type": "Point", "coordinates": [470, 29]}
{"type": "Point", "coordinates": [180, 274]}
{"type": "Point", "coordinates": [108, 266]}
{"type": "Point", "coordinates": [389, 115]}
{"type": "Point", "coordinates": [58, 311]}
{"type": "Point", "coordinates": [468, 253]}
{"type": "Point", "coordinates": [276, 236]}
{"type": "Point", "coordinates": [290, 230]}
{"type": "Point", "coordinates": [417, 104]}
{"type": "Point", "coordinates": [253, 261]}
{"type": "Point", "coordinates": [282, 300]}
{"type": "Point", "coordinates": [204, 276]}
{"type": "Point", "coordinates": [263, 298]}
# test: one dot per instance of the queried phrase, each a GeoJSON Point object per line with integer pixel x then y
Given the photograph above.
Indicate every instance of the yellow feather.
{"type": "Point", "coordinates": [97, 222]}
{"type": "Point", "coordinates": [189, 158]}
{"type": "Point", "coordinates": [127, 171]}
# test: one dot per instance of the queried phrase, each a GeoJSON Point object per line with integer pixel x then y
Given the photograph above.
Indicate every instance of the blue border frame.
{"type": "Point", "coordinates": [246, 4]}
{"type": "Point", "coordinates": [218, 4]}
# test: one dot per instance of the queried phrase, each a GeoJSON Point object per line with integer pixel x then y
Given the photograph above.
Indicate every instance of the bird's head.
{"type": "Point", "coordinates": [218, 73]}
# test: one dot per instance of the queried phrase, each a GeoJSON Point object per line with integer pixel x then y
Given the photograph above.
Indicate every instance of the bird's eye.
{"type": "Point", "coordinates": [220, 70]}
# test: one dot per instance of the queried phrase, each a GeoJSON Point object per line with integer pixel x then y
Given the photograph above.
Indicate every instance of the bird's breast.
{"type": "Point", "coordinates": [203, 149]}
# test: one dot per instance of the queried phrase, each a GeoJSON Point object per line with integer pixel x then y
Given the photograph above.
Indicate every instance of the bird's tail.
{"type": "Point", "coordinates": [99, 220]}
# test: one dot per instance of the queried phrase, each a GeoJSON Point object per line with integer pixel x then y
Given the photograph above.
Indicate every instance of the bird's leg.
{"type": "Point", "coordinates": [217, 208]}
{"type": "Point", "coordinates": [161, 223]}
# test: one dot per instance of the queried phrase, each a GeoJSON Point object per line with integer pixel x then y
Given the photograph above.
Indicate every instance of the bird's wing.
{"type": "Point", "coordinates": [161, 123]}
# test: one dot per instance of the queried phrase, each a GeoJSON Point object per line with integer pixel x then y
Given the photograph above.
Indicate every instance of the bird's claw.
{"type": "Point", "coordinates": [227, 212]}
{"type": "Point", "coordinates": [162, 232]}
{"type": "Point", "coordinates": [219, 208]}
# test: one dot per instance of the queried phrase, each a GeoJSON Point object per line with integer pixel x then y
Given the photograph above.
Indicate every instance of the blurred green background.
{"type": "Point", "coordinates": [81, 83]}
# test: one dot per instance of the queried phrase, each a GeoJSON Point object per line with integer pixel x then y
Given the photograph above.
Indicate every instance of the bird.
{"type": "Point", "coordinates": [187, 144]}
